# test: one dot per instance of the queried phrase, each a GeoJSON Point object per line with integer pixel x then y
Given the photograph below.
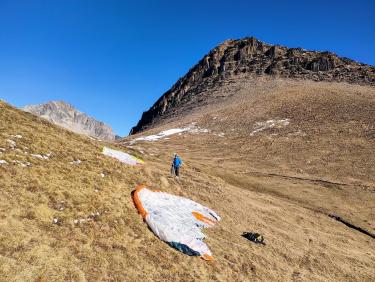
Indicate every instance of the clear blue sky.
{"type": "Point", "coordinates": [113, 59]}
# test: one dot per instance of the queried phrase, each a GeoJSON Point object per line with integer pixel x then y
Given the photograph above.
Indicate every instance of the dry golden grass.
{"type": "Point", "coordinates": [232, 175]}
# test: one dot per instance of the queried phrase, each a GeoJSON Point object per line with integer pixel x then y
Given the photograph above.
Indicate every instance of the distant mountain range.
{"type": "Point", "coordinates": [65, 115]}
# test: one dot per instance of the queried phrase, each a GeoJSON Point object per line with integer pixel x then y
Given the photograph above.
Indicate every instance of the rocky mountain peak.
{"type": "Point", "coordinates": [252, 57]}
{"type": "Point", "coordinates": [67, 116]}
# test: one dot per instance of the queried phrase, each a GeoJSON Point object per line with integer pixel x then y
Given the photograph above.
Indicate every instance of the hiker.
{"type": "Point", "coordinates": [176, 164]}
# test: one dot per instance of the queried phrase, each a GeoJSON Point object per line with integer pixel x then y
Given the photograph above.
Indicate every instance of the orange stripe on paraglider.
{"type": "Point", "coordinates": [202, 218]}
{"type": "Point", "coordinates": [207, 257]}
{"type": "Point", "coordinates": [138, 202]}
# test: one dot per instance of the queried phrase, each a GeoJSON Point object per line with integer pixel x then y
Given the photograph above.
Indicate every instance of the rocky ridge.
{"type": "Point", "coordinates": [65, 115]}
{"type": "Point", "coordinates": [252, 57]}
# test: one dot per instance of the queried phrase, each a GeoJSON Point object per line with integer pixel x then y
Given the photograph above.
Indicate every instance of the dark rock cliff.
{"type": "Point", "coordinates": [251, 56]}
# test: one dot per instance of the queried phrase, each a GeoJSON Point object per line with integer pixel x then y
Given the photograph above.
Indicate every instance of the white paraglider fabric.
{"type": "Point", "coordinates": [122, 156]}
{"type": "Point", "coordinates": [176, 220]}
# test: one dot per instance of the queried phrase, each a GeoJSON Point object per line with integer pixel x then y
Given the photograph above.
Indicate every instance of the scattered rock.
{"type": "Point", "coordinates": [79, 221]}
{"type": "Point", "coordinates": [92, 217]}
{"type": "Point", "coordinates": [12, 144]}
{"type": "Point", "coordinates": [22, 164]}
{"type": "Point", "coordinates": [56, 221]}
{"type": "Point", "coordinates": [60, 206]}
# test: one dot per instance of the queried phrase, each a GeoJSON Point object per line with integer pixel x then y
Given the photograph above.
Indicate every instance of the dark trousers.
{"type": "Point", "coordinates": [177, 171]}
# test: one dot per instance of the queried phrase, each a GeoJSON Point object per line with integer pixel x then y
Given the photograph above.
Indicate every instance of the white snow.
{"type": "Point", "coordinates": [12, 143]}
{"type": "Point", "coordinates": [80, 220]}
{"type": "Point", "coordinates": [18, 136]}
{"type": "Point", "coordinates": [102, 174]}
{"type": "Point", "coordinates": [221, 134]}
{"type": "Point", "coordinates": [263, 125]}
{"type": "Point", "coordinates": [196, 130]}
{"type": "Point", "coordinates": [76, 162]}
{"type": "Point", "coordinates": [3, 162]}
{"type": "Point", "coordinates": [42, 157]}
{"type": "Point", "coordinates": [94, 214]}
{"type": "Point", "coordinates": [164, 134]}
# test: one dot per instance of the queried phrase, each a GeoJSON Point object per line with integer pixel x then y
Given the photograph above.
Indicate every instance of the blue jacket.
{"type": "Point", "coordinates": [177, 162]}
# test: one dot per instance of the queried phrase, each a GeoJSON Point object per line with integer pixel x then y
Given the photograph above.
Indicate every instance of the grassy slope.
{"type": "Point", "coordinates": [330, 137]}
{"type": "Point", "coordinates": [301, 243]}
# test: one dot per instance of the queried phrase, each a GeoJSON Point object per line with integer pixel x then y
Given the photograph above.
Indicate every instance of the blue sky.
{"type": "Point", "coordinates": [113, 59]}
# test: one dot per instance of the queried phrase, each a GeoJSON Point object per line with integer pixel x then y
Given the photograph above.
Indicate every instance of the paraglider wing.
{"type": "Point", "coordinates": [176, 220]}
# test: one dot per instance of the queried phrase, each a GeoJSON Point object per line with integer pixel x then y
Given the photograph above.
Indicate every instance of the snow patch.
{"type": "Point", "coordinates": [263, 125]}
{"type": "Point", "coordinates": [18, 136]}
{"type": "Point", "coordinates": [12, 143]}
{"type": "Point", "coordinates": [3, 162]}
{"type": "Point", "coordinates": [76, 162]}
{"type": "Point", "coordinates": [162, 134]}
{"type": "Point", "coordinates": [42, 157]}
{"type": "Point", "coordinates": [165, 133]}
{"type": "Point", "coordinates": [221, 134]}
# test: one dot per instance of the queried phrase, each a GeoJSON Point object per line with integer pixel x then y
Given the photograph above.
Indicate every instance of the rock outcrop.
{"type": "Point", "coordinates": [253, 57]}
{"type": "Point", "coordinates": [65, 115]}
